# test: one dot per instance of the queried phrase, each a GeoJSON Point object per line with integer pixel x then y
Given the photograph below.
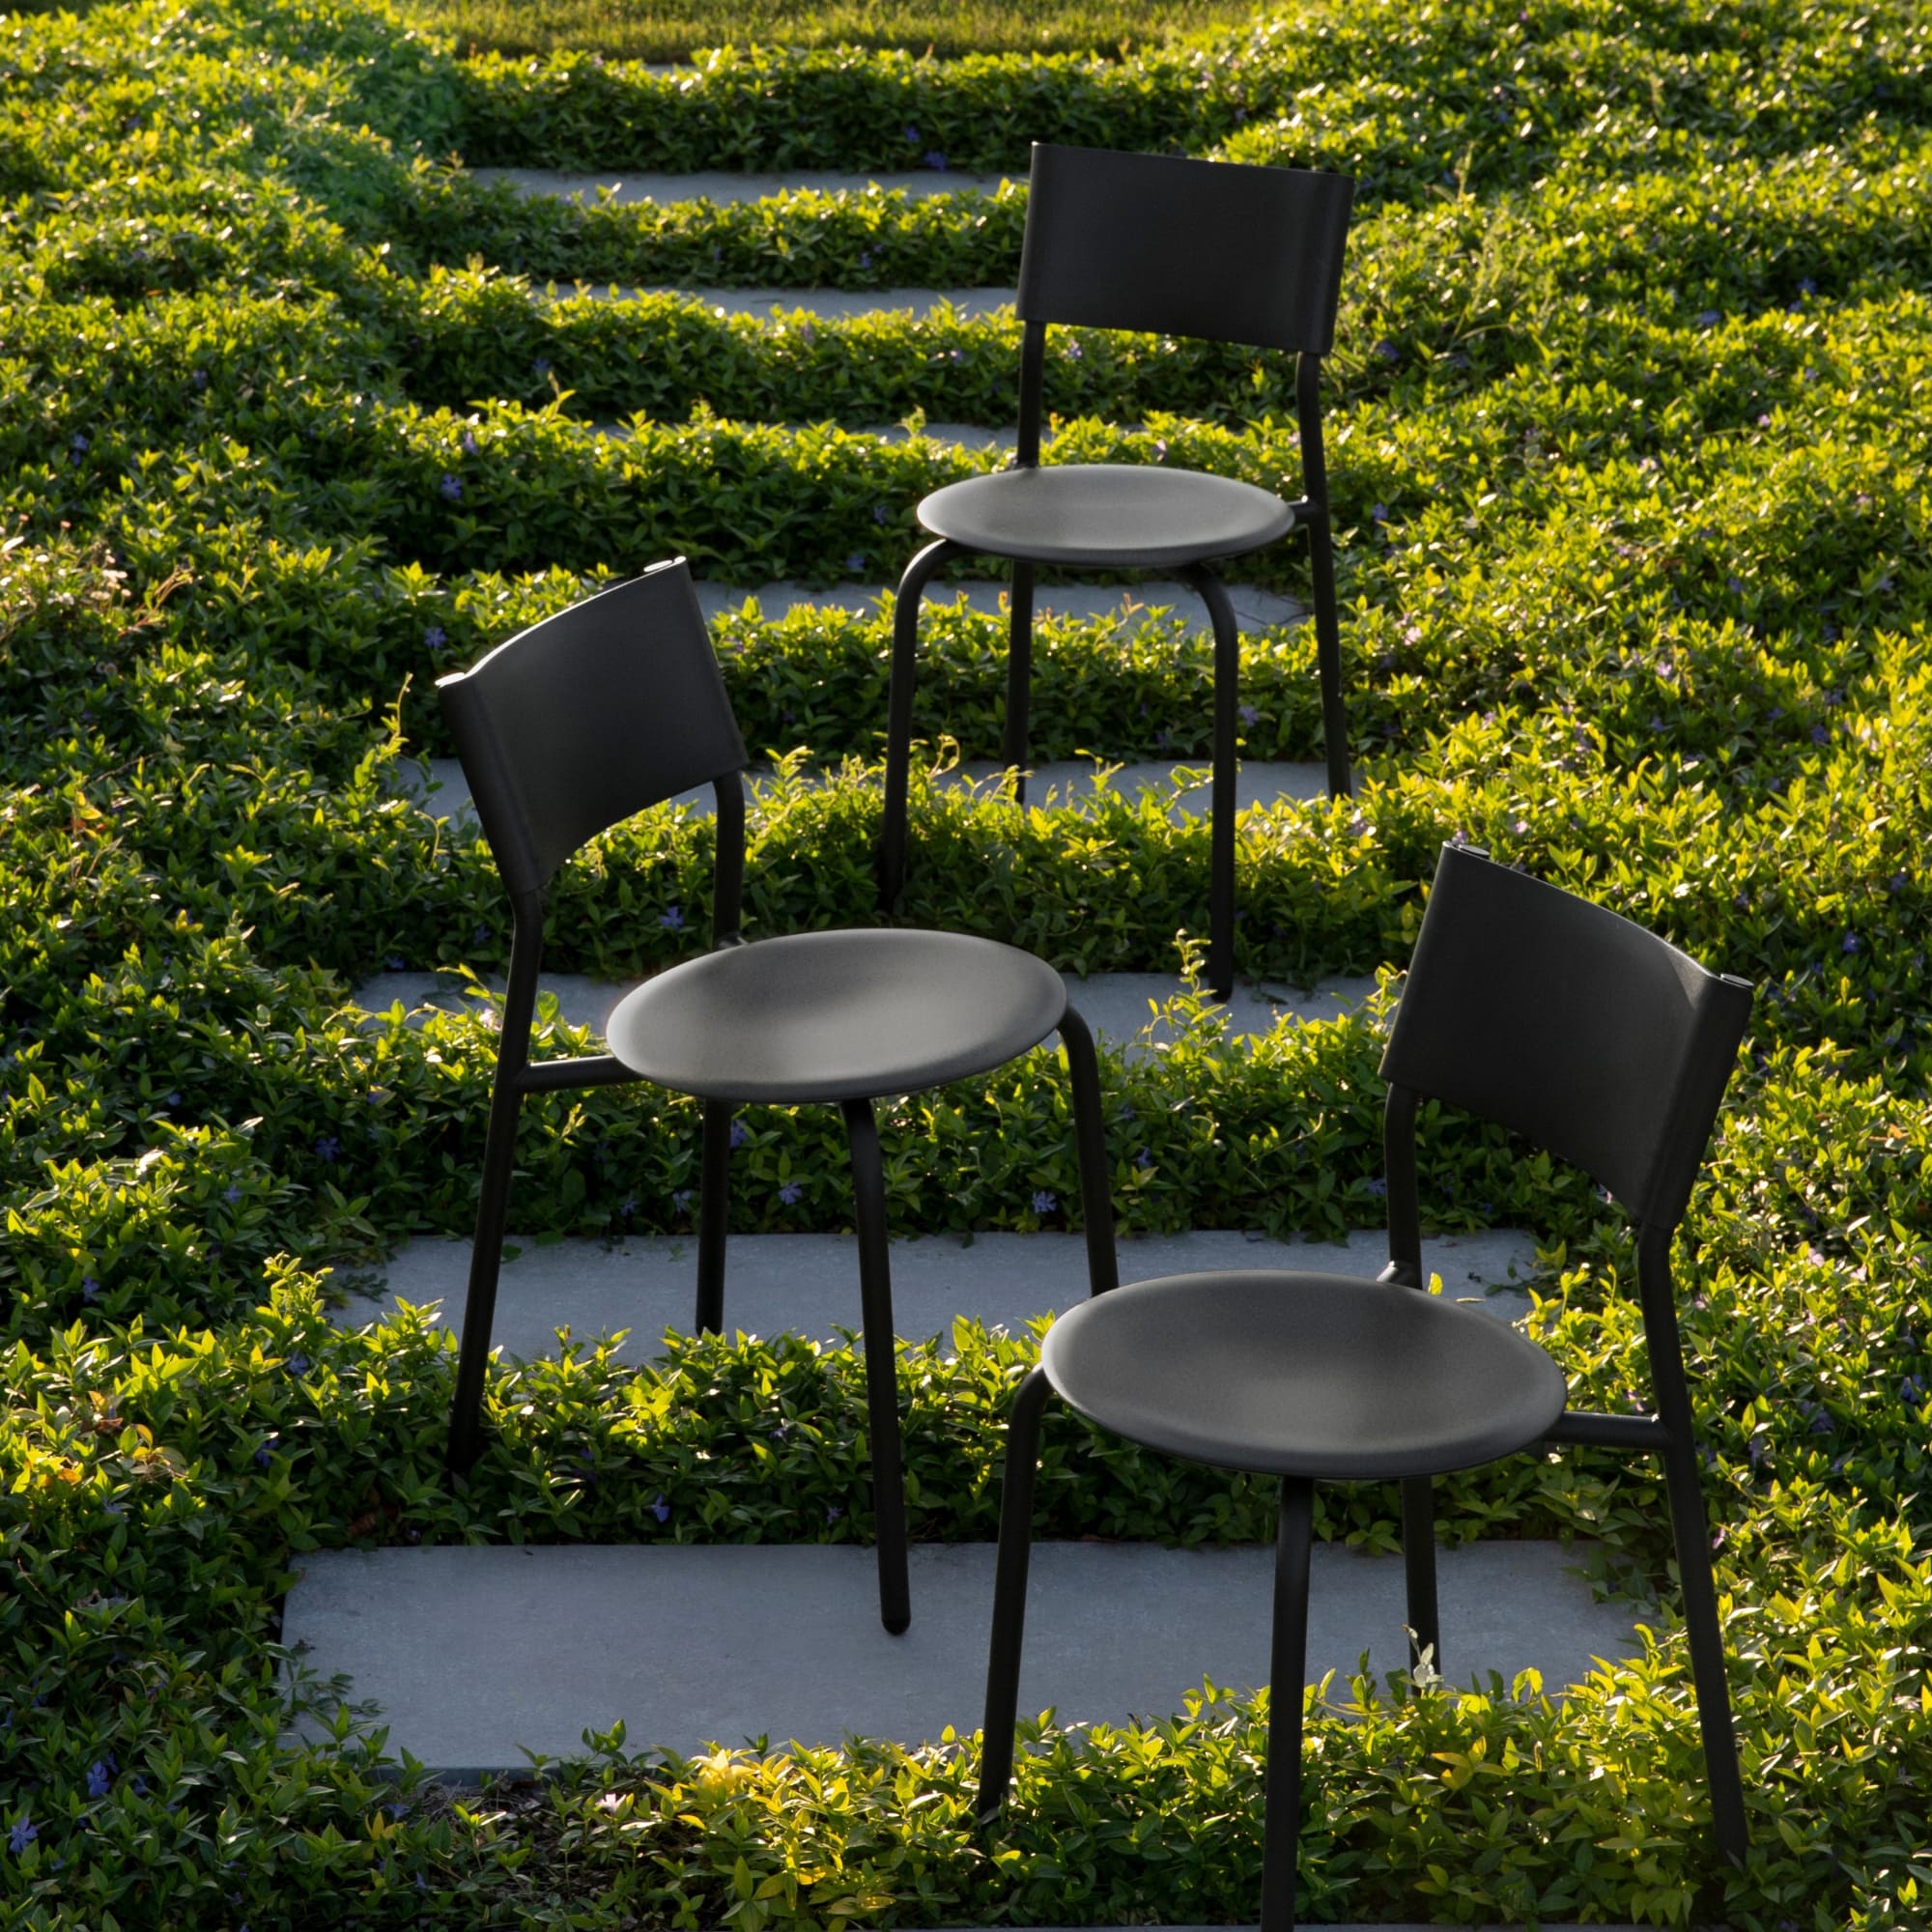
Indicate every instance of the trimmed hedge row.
{"type": "Point", "coordinates": [1397, 101]}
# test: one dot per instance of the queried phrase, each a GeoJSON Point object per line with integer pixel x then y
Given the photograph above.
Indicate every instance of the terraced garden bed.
{"type": "Point", "coordinates": [1627, 450]}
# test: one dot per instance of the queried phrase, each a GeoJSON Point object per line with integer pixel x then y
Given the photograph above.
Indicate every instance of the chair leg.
{"type": "Point", "coordinates": [1691, 1532]}
{"type": "Point", "coordinates": [1288, 1665]}
{"type": "Point", "coordinates": [714, 1215]}
{"type": "Point", "coordinates": [486, 1260]}
{"type": "Point", "coordinates": [1019, 676]}
{"type": "Point", "coordinates": [1089, 1142]}
{"type": "Point", "coordinates": [892, 858]}
{"type": "Point", "coordinates": [1221, 826]}
{"type": "Point", "coordinates": [1328, 654]}
{"type": "Point", "coordinates": [882, 1392]}
{"type": "Point", "coordinates": [1010, 1590]}
{"type": "Point", "coordinates": [1418, 1562]}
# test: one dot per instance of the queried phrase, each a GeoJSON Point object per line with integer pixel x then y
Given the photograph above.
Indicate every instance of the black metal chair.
{"type": "Point", "coordinates": [1176, 248]}
{"type": "Point", "coordinates": [1571, 1027]}
{"type": "Point", "coordinates": [616, 704]}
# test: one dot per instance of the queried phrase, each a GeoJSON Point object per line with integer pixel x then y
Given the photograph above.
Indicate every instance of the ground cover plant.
{"type": "Point", "coordinates": [643, 31]}
{"type": "Point", "coordinates": [1635, 339]}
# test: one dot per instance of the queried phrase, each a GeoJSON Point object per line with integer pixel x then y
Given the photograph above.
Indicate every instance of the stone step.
{"type": "Point", "coordinates": [439, 785]}
{"type": "Point", "coordinates": [720, 185]}
{"type": "Point", "coordinates": [477, 1656]}
{"type": "Point", "coordinates": [817, 305]}
{"type": "Point", "coordinates": [808, 1284]}
{"type": "Point", "coordinates": [1127, 1008]}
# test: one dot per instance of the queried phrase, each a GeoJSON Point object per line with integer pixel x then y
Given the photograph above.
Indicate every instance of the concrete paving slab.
{"type": "Point", "coordinates": [1134, 604]}
{"type": "Point", "coordinates": [439, 785]}
{"type": "Point", "coordinates": [718, 184]}
{"type": "Point", "coordinates": [808, 1284]}
{"type": "Point", "coordinates": [1119, 1004]}
{"type": "Point", "coordinates": [783, 305]}
{"type": "Point", "coordinates": [476, 1656]}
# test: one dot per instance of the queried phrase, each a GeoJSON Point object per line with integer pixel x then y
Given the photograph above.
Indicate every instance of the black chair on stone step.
{"type": "Point", "coordinates": [1176, 248]}
{"type": "Point", "coordinates": [1573, 1027]}
{"type": "Point", "coordinates": [617, 704]}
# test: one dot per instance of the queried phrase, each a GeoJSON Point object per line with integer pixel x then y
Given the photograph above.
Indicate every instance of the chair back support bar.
{"type": "Point", "coordinates": [1213, 249]}
{"type": "Point", "coordinates": [562, 737]}
{"type": "Point", "coordinates": [1567, 1024]}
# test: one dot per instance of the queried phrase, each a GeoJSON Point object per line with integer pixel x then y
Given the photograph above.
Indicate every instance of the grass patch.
{"type": "Point", "coordinates": [639, 30]}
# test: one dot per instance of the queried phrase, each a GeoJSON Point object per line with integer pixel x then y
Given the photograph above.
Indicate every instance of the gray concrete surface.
{"type": "Point", "coordinates": [475, 1656]}
{"type": "Point", "coordinates": [808, 1284]}
{"type": "Point", "coordinates": [815, 304]}
{"type": "Point", "coordinates": [440, 787]}
{"type": "Point", "coordinates": [718, 184]}
{"type": "Point", "coordinates": [1118, 1005]}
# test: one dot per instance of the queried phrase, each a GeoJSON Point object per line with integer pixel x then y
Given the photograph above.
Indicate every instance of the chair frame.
{"type": "Point", "coordinates": [516, 1076]}
{"type": "Point", "coordinates": [1311, 513]}
{"type": "Point", "coordinates": [1668, 1431]}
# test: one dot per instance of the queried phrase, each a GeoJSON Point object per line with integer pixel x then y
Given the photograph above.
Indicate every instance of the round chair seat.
{"type": "Point", "coordinates": [1106, 516]}
{"type": "Point", "coordinates": [837, 1015]}
{"type": "Point", "coordinates": [1321, 1376]}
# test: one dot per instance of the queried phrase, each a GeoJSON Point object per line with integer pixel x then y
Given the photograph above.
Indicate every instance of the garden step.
{"type": "Point", "coordinates": [476, 1656]}
{"type": "Point", "coordinates": [823, 304]}
{"type": "Point", "coordinates": [720, 185]}
{"type": "Point", "coordinates": [967, 436]}
{"type": "Point", "coordinates": [444, 791]}
{"type": "Point", "coordinates": [808, 1284]}
{"type": "Point", "coordinates": [1120, 1005]}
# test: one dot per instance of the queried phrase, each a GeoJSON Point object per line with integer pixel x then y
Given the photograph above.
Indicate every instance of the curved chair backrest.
{"type": "Point", "coordinates": [572, 725]}
{"type": "Point", "coordinates": [1184, 248]}
{"type": "Point", "coordinates": [1568, 1025]}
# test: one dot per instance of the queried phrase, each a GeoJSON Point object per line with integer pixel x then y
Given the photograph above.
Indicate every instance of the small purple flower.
{"type": "Point", "coordinates": [1735, 586]}
{"type": "Point", "coordinates": [79, 443]}
{"type": "Point", "coordinates": [672, 918]}
{"type": "Point", "coordinates": [936, 160]}
{"type": "Point", "coordinates": [1849, 944]}
{"type": "Point", "coordinates": [628, 1206]}
{"type": "Point", "coordinates": [833, 1512]}
{"type": "Point", "coordinates": [855, 561]}
{"type": "Point", "coordinates": [1143, 1158]}
{"type": "Point", "coordinates": [1764, 422]}
{"type": "Point", "coordinates": [660, 1509]}
{"type": "Point", "coordinates": [231, 1194]}
{"type": "Point", "coordinates": [1250, 716]}
{"type": "Point", "coordinates": [682, 1199]}
{"type": "Point", "coordinates": [1911, 1388]}
{"type": "Point", "coordinates": [1807, 287]}
{"type": "Point", "coordinates": [451, 488]}
{"type": "Point", "coordinates": [1819, 736]}
{"type": "Point", "coordinates": [436, 637]}
{"type": "Point", "coordinates": [1043, 1201]}
{"type": "Point", "coordinates": [264, 1455]}
{"type": "Point", "coordinates": [912, 135]}
{"type": "Point", "coordinates": [199, 377]}
{"type": "Point", "coordinates": [298, 1365]}
{"type": "Point", "coordinates": [100, 1776]}
{"type": "Point", "coordinates": [791, 1194]}
{"type": "Point", "coordinates": [1387, 352]}
{"type": "Point", "coordinates": [1897, 883]}
{"type": "Point", "coordinates": [880, 514]}
{"type": "Point", "coordinates": [540, 368]}
{"type": "Point", "coordinates": [865, 258]}
{"type": "Point", "coordinates": [1378, 513]}
{"type": "Point", "coordinates": [1072, 350]}
{"type": "Point", "coordinates": [740, 1133]}
{"type": "Point", "coordinates": [328, 1146]}
{"type": "Point", "coordinates": [23, 1834]}
{"type": "Point", "coordinates": [1709, 317]}
{"type": "Point", "coordinates": [1378, 1186]}
{"type": "Point", "coordinates": [469, 444]}
{"type": "Point", "coordinates": [90, 1289]}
